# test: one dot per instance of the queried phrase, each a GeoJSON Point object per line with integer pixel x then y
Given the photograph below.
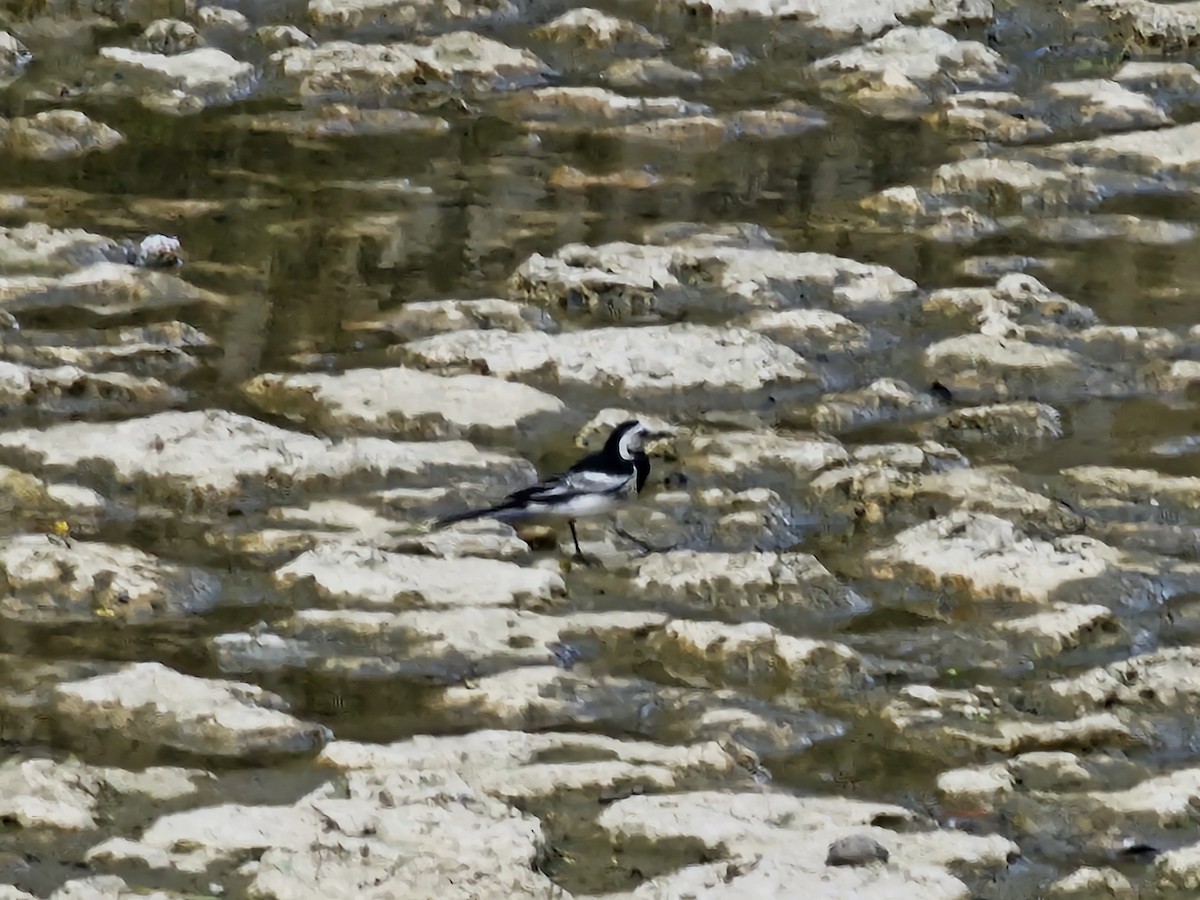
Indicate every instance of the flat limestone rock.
{"type": "Point", "coordinates": [442, 646]}
{"type": "Point", "coordinates": [103, 289]}
{"type": "Point", "coordinates": [215, 460]}
{"type": "Point", "coordinates": [341, 70]}
{"type": "Point", "coordinates": [660, 368]}
{"type": "Point", "coordinates": [47, 581]}
{"type": "Point", "coordinates": [186, 82]}
{"type": "Point", "coordinates": [14, 59]}
{"type": "Point", "coordinates": [423, 15]}
{"type": "Point", "coordinates": [65, 391]}
{"type": "Point", "coordinates": [547, 697]}
{"type": "Point", "coordinates": [57, 134]}
{"type": "Point", "coordinates": [425, 318]}
{"type": "Point", "coordinates": [164, 350]}
{"type": "Point", "coordinates": [571, 108]}
{"type": "Point", "coordinates": [1007, 424]}
{"type": "Point", "coordinates": [977, 367]}
{"type": "Point", "coordinates": [645, 282]}
{"type": "Point", "coordinates": [41, 250]}
{"type": "Point", "coordinates": [1163, 683]}
{"type": "Point", "coordinates": [903, 73]}
{"type": "Point", "coordinates": [519, 765]}
{"type": "Point", "coordinates": [773, 585]}
{"type": "Point", "coordinates": [350, 576]}
{"type": "Point", "coordinates": [883, 400]}
{"type": "Point", "coordinates": [151, 703]}
{"type": "Point", "coordinates": [347, 839]}
{"type": "Point", "coordinates": [987, 558]}
{"type": "Point", "coordinates": [741, 460]}
{"type": "Point", "coordinates": [41, 793]}
{"type": "Point", "coordinates": [778, 845]}
{"type": "Point", "coordinates": [713, 520]}
{"type": "Point", "coordinates": [410, 405]}
{"type": "Point", "coordinates": [757, 656]}
{"type": "Point", "coordinates": [835, 20]}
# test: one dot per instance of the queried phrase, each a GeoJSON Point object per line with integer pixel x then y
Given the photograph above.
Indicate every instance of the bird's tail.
{"type": "Point", "coordinates": [464, 516]}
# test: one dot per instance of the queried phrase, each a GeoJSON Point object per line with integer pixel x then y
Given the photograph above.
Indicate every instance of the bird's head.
{"type": "Point", "coordinates": [630, 438]}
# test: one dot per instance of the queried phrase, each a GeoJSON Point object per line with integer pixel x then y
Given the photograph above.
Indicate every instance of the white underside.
{"type": "Point", "coordinates": [581, 507]}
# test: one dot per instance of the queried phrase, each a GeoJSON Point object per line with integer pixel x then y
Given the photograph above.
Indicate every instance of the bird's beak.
{"type": "Point", "coordinates": [657, 435]}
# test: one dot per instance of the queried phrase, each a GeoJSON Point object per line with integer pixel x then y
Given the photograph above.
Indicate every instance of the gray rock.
{"type": "Point", "coordinates": [658, 368]}
{"type": "Point", "coordinates": [547, 697]}
{"type": "Point", "coordinates": [777, 587]}
{"type": "Point", "coordinates": [842, 21]}
{"type": "Point", "coordinates": [570, 108]}
{"type": "Point", "coordinates": [346, 839]}
{"type": "Point", "coordinates": [519, 765]}
{"type": "Point", "coordinates": [151, 703]}
{"type": "Point", "coordinates": [776, 846]}
{"type": "Point", "coordinates": [1088, 881]}
{"type": "Point", "coordinates": [410, 405]}
{"type": "Point", "coordinates": [1154, 24]}
{"type": "Point", "coordinates": [157, 251]}
{"type": "Point", "coordinates": [856, 850]}
{"type": "Point", "coordinates": [1016, 304]}
{"type": "Point", "coordinates": [884, 400]}
{"type": "Point", "coordinates": [999, 425]}
{"type": "Point", "coordinates": [281, 37]}
{"type": "Point", "coordinates": [693, 278]}
{"type": "Point", "coordinates": [104, 289]}
{"type": "Point", "coordinates": [758, 657]}
{"type": "Point", "coordinates": [715, 520]}
{"type": "Point", "coordinates": [57, 134]}
{"type": "Point", "coordinates": [422, 319]}
{"type": "Point", "coordinates": [982, 557]}
{"type": "Point", "coordinates": [439, 646]}
{"type": "Point", "coordinates": [42, 793]}
{"type": "Point", "coordinates": [349, 576]}
{"type": "Point", "coordinates": [49, 581]}
{"type": "Point", "coordinates": [906, 71]}
{"type": "Point", "coordinates": [460, 61]}
{"type": "Point", "coordinates": [14, 59]}
{"type": "Point", "coordinates": [961, 725]}
{"type": "Point", "coordinates": [634, 74]}
{"type": "Point", "coordinates": [184, 83]}
{"type": "Point", "coordinates": [980, 368]}
{"type": "Point", "coordinates": [68, 391]}
{"type": "Point", "coordinates": [584, 28]}
{"type": "Point", "coordinates": [344, 15]}
{"type": "Point", "coordinates": [39, 249]}
{"type": "Point", "coordinates": [168, 37]}
{"type": "Point", "coordinates": [206, 463]}
{"type": "Point", "coordinates": [165, 350]}
{"type": "Point", "coordinates": [746, 460]}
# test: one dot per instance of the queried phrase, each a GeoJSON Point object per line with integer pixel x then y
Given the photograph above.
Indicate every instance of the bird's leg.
{"type": "Point", "coordinates": [575, 537]}
{"type": "Point", "coordinates": [643, 546]}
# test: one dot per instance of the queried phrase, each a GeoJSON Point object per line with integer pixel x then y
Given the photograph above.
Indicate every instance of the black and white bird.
{"type": "Point", "coordinates": [597, 484]}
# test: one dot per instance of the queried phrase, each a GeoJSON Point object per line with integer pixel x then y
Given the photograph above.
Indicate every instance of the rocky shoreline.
{"type": "Point", "coordinates": [906, 284]}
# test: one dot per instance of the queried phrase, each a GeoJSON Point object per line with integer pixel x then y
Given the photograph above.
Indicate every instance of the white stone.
{"type": "Point", "coordinates": [350, 575]}
{"type": "Point", "coordinates": [410, 404]}
{"type": "Point", "coordinates": [49, 581]}
{"type": "Point", "coordinates": [151, 703]}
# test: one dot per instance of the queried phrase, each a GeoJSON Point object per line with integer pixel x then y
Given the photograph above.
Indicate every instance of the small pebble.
{"type": "Point", "coordinates": [856, 850]}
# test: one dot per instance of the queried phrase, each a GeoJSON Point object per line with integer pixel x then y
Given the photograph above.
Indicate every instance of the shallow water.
{"type": "Point", "coordinates": [290, 228]}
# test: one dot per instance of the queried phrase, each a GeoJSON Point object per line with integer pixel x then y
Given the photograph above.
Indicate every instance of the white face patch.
{"type": "Point", "coordinates": [632, 441]}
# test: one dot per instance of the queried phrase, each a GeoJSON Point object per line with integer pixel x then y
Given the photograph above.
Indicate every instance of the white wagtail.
{"type": "Point", "coordinates": [597, 484]}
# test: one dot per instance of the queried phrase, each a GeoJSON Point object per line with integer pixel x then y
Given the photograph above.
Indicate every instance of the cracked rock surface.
{"type": "Point", "coordinates": [907, 606]}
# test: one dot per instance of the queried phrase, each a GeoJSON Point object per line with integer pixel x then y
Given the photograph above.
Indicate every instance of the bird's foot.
{"type": "Point", "coordinates": [579, 559]}
{"type": "Point", "coordinates": [644, 547]}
